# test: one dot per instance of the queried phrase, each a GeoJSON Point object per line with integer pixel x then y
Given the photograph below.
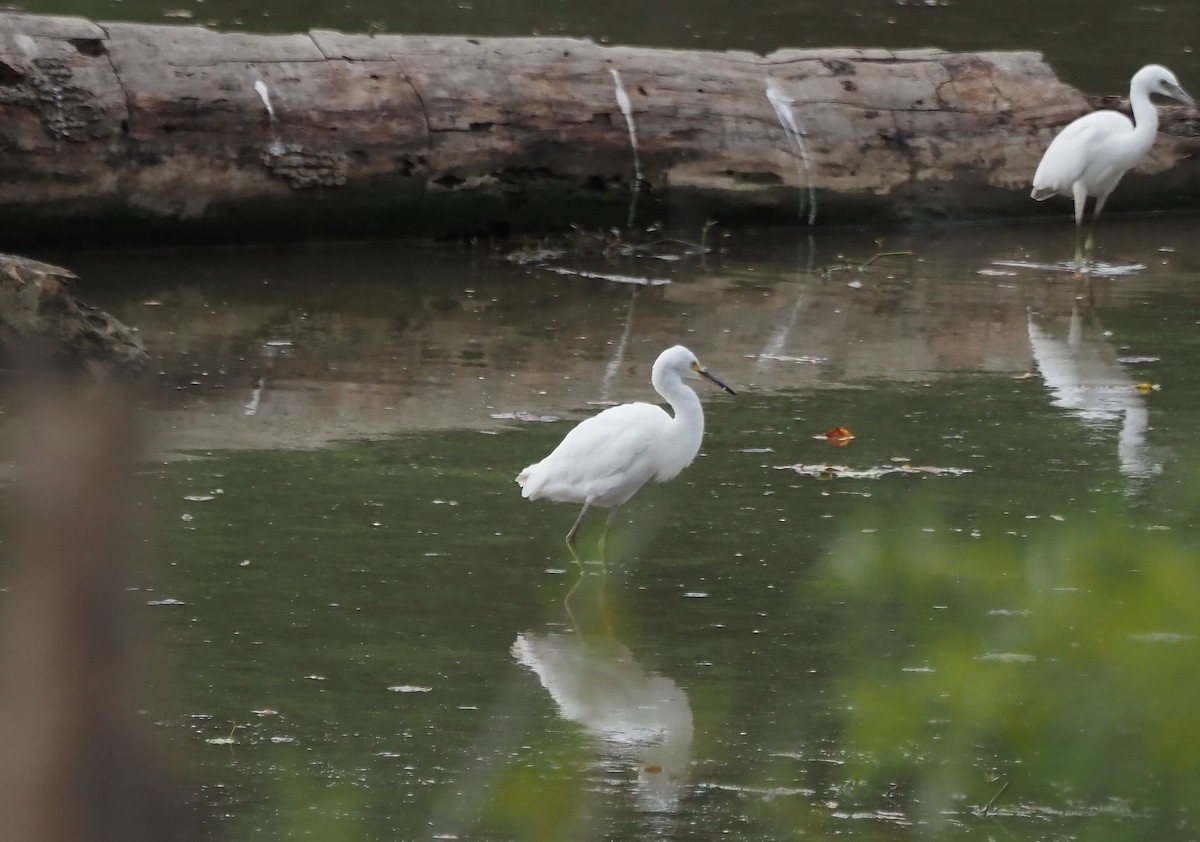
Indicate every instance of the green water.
{"type": "Point", "coordinates": [373, 642]}
{"type": "Point", "coordinates": [1096, 45]}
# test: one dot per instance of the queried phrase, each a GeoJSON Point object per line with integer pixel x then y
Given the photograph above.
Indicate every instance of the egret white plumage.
{"type": "Point", "coordinates": [1090, 155]}
{"type": "Point", "coordinates": [605, 459]}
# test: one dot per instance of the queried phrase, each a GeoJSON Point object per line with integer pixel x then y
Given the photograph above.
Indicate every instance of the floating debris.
{"type": "Point", "coordinates": [524, 257]}
{"type": "Point", "coordinates": [636, 280]}
{"type": "Point", "coordinates": [167, 601]}
{"type": "Point", "coordinates": [409, 688]}
{"type": "Point", "coordinates": [782, 358]}
{"type": "Point", "coordinates": [764, 792]}
{"type": "Point", "coordinates": [1103, 270]}
{"type": "Point", "coordinates": [1162, 637]}
{"type": "Point", "coordinates": [890, 816]}
{"type": "Point", "coordinates": [524, 416]}
{"type": "Point", "coordinates": [843, 472]}
{"type": "Point", "coordinates": [1008, 657]}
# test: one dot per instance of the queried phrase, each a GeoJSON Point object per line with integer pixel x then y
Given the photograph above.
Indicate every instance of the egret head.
{"type": "Point", "coordinates": [683, 361]}
{"type": "Point", "coordinates": [1156, 79]}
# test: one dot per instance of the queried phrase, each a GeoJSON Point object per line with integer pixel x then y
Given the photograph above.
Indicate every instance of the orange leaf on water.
{"type": "Point", "coordinates": [838, 436]}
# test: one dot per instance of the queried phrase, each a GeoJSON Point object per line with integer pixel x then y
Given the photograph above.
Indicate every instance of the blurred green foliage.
{"type": "Point", "coordinates": [1056, 676]}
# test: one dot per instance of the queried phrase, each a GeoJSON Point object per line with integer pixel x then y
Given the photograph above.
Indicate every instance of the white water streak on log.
{"type": "Point", "coordinates": [627, 109]}
{"type": "Point", "coordinates": [264, 93]}
{"type": "Point", "coordinates": [782, 105]}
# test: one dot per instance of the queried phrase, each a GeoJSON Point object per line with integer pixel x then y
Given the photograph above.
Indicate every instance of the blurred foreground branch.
{"type": "Point", "coordinates": [76, 757]}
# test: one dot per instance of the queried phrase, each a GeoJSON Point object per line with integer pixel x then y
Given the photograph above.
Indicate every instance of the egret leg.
{"type": "Point", "coordinates": [571, 535]}
{"type": "Point", "coordinates": [1091, 237]}
{"type": "Point", "coordinates": [1080, 194]}
{"type": "Point", "coordinates": [575, 555]}
{"type": "Point", "coordinates": [604, 536]}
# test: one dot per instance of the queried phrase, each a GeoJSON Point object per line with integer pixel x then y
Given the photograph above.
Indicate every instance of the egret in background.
{"type": "Point", "coordinates": [1090, 155]}
{"type": "Point", "coordinates": [605, 459]}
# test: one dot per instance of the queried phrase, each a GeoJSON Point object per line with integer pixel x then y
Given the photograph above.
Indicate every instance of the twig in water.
{"type": "Point", "coordinates": [987, 807]}
{"type": "Point", "coordinates": [883, 254]}
{"type": "Point", "coordinates": [826, 271]}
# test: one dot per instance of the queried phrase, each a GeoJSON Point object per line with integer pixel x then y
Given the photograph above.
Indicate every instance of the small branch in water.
{"type": "Point", "coordinates": [987, 807]}
{"type": "Point", "coordinates": [884, 254]}
{"type": "Point", "coordinates": [826, 271]}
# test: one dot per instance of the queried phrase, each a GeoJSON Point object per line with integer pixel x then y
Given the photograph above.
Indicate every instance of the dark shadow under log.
{"type": "Point", "coordinates": [129, 131]}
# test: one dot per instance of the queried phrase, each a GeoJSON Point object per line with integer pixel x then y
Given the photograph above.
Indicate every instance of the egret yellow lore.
{"type": "Point", "coordinates": [1090, 155]}
{"type": "Point", "coordinates": [605, 459]}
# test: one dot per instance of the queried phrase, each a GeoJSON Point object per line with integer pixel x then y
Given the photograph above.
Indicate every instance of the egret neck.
{"type": "Point", "coordinates": [681, 444]}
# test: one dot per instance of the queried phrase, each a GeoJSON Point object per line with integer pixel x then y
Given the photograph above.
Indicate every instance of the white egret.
{"type": "Point", "coordinates": [1090, 155]}
{"type": "Point", "coordinates": [605, 459]}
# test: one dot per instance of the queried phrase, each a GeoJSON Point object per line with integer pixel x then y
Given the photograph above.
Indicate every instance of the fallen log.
{"type": "Point", "coordinates": [131, 131]}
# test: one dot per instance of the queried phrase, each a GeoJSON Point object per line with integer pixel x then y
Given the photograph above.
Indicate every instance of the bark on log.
{"type": "Point", "coordinates": [127, 129]}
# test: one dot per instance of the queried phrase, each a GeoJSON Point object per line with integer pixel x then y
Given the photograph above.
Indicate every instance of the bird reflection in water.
{"type": "Point", "coordinates": [1084, 376]}
{"type": "Point", "coordinates": [635, 718]}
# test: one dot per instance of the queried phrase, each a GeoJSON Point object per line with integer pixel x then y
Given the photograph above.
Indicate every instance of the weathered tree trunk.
{"type": "Point", "coordinates": [123, 129]}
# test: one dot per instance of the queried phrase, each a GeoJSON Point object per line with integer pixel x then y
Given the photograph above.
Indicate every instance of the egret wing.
{"type": "Point", "coordinates": [1074, 150]}
{"type": "Point", "coordinates": [605, 458]}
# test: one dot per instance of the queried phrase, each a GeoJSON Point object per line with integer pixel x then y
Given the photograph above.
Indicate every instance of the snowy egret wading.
{"type": "Point", "coordinates": [605, 459]}
{"type": "Point", "coordinates": [1090, 155]}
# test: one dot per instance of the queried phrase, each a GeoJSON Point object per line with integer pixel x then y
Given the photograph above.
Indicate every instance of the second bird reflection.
{"type": "Point", "coordinates": [1086, 377]}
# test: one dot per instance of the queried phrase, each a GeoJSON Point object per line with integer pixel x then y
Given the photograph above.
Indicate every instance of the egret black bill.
{"type": "Point", "coordinates": [703, 372]}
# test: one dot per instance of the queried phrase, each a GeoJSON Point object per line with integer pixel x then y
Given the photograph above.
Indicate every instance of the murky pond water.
{"type": "Point", "coordinates": [363, 624]}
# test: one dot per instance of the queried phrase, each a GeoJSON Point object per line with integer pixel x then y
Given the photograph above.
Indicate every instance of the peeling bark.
{"type": "Point", "coordinates": [126, 129]}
